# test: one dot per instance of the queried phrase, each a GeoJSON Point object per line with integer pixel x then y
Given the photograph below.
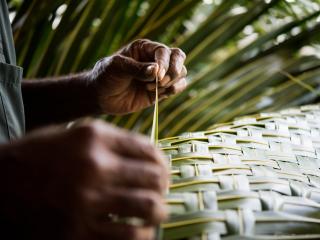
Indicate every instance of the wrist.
{"type": "Point", "coordinates": [90, 87]}
{"type": "Point", "coordinates": [81, 92]}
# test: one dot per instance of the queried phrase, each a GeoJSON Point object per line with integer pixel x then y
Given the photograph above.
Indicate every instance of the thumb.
{"type": "Point", "coordinates": [143, 71]}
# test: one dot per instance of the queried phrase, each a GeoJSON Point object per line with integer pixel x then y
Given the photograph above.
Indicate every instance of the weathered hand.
{"type": "Point", "coordinates": [63, 184]}
{"type": "Point", "coordinates": [125, 82]}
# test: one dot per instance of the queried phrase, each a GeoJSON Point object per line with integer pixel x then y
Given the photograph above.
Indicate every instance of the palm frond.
{"type": "Point", "coordinates": [232, 48]}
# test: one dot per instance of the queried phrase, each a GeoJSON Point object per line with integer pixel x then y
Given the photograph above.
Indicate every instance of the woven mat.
{"type": "Point", "coordinates": [257, 177]}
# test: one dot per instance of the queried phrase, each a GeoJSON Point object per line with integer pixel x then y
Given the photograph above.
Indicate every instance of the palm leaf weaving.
{"type": "Point", "coordinates": [257, 177]}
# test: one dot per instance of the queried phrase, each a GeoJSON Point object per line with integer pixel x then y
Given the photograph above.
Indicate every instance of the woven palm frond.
{"type": "Point", "coordinates": [255, 178]}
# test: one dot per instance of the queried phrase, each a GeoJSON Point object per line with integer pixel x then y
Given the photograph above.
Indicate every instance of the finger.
{"type": "Point", "coordinates": [143, 71]}
{"type": "Point", "coordinates": [161, 90]}
{"type": "Point", "coordinates": [177, 87]}
{"type": "Point", "coordinates": [147, 50]}
{"type": "Point", "coordinates": [152, 86]}
{"type": "Point", "coordinates": [177, 59]}
{"type": "Point", "coordinates": [123, 142]}
{"type": "Point", "coordinates": [182, 75]}
{"type": "Point", "coordinates": [126, 144]}
{"type": "Point", "coordinates": [125, 203]}
{"type": "Point", "coordinates": [163, 97]}
{"type": "Point", "coordinates": [167, 82]}
{"type": "Point", "coordinates": [119, 231]}
{"type": "Point", "coordinates": [162, 57]}
{"type": "Point", "coordinates": [135, 174]}
{"type": "Point", "coordinates": [153, 94]}
{"type": "Point", "coordinates": [138, 147]}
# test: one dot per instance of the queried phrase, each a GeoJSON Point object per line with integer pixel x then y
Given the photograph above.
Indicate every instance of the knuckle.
{"type": "Point", "coordinates": [174, 89]}
{"type": "Point", "coordinates": [139, 43]}
{"type": "Point", "coordinates": [89, 130]}
{"type": "Point", "coordinates": [90, 150]}
{"type": "Point", "coordinates": [155, 176]}
{"type": "Point", "coordinates": [174, 71]}
{"type": "Point", "coordinates": [101, 61]}
{"type": "Point", "coordinates": [158, 182]}
{"type": "Point", "coordinates": [147, 151]}
{"type": "Point", "coordinates": [101, 65]}
{"type": "Point", "coordinates": [179, 52]}
{"type": "Point", "coordinates": [140, 139]}
{"type": "Point", "coordinates": [158, 45]}
{"type": "Point", "coordinates": [150, 203]}
{"type": "Point", "coordinates": [135, 43]}
{"type": "Point", "coordinates": [163, 49]}
{"type": "Point", "coordinates": [116, 59]}
{"type": "Point", "coordinates": [89, 154]}
{"type": "Point", "coordinates": [89, 136]}
{"type": "Point", "coordinates": [166, 49]}
{"type": "Point", "coordinates": [149, 148]}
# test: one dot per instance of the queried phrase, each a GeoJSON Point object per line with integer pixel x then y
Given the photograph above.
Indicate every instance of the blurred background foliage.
{"type": "Point", "coordinates": [243, 56]}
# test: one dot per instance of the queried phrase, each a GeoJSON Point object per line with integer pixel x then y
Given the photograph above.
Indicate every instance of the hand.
{"type": "Point", "coordinates": [125, 82]}
{"type": "Point", "coordinates": [63, 184]}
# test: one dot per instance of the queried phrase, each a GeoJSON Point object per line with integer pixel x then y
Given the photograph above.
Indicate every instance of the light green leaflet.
{"type": "Point", "coordinates": [154, 140]}
{"type": "Point", "coordinates": [154, 130]}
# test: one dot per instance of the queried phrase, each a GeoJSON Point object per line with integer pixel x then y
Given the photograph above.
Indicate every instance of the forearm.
{"type": "Point", "coordinates": [57, 100]}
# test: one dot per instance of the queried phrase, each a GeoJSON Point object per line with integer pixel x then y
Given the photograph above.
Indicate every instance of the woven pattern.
{"type": "Point", "coordinates": [255, 178]}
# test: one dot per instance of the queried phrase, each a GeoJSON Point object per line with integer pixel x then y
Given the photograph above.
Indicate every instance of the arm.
{"type": "Point", "coordinates": [119, 84]}
{"type": "Point", "coordinates": [56, 100]}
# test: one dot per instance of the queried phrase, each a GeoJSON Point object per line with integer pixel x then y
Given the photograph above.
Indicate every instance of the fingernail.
{"type": "Point", "coordinates": [150, 69]}
{"type": "Point", "coordinates": [162, 73]}
{"type": "Point", "coordinates": [166, 79]}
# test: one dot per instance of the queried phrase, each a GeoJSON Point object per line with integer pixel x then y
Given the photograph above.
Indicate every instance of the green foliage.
{"type": "Point", "coordinates": [243, 56]}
